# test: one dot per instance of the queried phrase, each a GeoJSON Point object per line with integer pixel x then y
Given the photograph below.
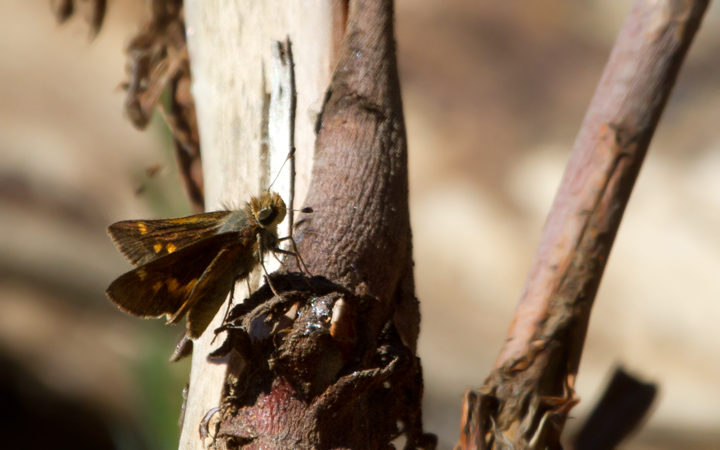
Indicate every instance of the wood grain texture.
{"type": "Point", "coordinates": [359, 235]}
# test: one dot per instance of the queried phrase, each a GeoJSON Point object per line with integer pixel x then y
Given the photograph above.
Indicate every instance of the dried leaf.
{"type": "Point", "coordinates": [158, 63]}
{"type": "Point", "coordinates": [95, 9]}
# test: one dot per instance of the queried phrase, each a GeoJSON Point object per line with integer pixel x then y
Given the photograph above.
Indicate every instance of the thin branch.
{"type": "Point", "coordinates": [534, 376]}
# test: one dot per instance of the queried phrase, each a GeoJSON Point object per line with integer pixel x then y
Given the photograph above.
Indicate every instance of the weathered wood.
{"type": "Point", "coordinates": [230, 47]}
{"type": "Point", "coordinates": [525, 400]}
{"type": "Point", "coordinates": [330, 362]}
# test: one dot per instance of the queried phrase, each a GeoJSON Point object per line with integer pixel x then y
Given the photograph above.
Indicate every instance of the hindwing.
{"type": "Point", "coordinates": [162, 286]}
{"type": "Point", "coordinates": [231, 264]}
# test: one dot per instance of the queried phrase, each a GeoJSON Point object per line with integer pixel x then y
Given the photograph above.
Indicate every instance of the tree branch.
{"type": "Point", "coordinates": [330, 362]}
{"type": "Point", "coordinates": [229, 44]}
{"type": "Point", "coordinates": [525, 400]}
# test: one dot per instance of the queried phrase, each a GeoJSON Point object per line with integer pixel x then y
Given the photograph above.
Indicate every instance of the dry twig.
{"type": "Point", "coordinates": [526, 399]}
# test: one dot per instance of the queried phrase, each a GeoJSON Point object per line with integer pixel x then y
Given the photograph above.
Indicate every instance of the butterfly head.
{"type": "Point", "coordinates": [268, 209]}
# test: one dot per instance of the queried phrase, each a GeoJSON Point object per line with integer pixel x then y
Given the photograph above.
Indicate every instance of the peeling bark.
{"type": "Point", "coordinates": [94, 12]}
{"type": "Point", "coordinates": [157, 63]}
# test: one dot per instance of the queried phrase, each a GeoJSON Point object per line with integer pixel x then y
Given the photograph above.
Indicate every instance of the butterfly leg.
{"type": "Point", "coordinates": [262, 264]}
{"type": "Point", "coordinates": [282, 263]}
{"type": "Point", "coordinates": [294, 253]}
{"type": "Point", "coordinates": [230, 302]}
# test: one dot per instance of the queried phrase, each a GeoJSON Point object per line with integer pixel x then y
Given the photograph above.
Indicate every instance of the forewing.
{"type": "Point", "coordinates": [142, 241]}
{"type": "Point", "coordinates": [233, 263]}
{"type": "Point", "coordinates": [163, 285]}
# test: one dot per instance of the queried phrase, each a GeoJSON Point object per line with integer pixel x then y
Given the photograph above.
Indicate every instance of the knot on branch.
{"type": "Point", "coordinates": [310, 369]}
{"type": "Point", "coordinates": [521, 418]}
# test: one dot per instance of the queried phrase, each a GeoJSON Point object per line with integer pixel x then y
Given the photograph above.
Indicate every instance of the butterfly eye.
{"type": "Point", "coordinates": [266, 216]}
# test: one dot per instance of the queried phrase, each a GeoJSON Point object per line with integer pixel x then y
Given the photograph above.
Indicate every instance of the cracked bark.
{"type": "Point", "coordinates": [526, 399]}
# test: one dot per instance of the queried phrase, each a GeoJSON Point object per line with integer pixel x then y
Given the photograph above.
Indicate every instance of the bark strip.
{"type": "Point", "coordinates": [525, 400]}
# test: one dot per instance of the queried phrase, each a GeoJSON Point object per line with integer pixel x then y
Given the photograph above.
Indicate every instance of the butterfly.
{"type": "Point", "coordinates": [187, 266]}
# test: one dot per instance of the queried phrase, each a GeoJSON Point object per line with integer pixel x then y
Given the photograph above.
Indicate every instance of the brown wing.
{"type": "Point", "coordinates": [142, 241]}
{"type": "Point", "coordinates": [163, 285]}
{"type": "Point", "coordinates": [231, 264]}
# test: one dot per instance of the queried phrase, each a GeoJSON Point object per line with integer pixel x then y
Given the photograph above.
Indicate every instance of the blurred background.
{"type": "Point", "coordinates": [494, 94]}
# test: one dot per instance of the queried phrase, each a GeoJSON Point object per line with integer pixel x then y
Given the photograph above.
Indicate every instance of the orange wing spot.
{"type": "Point", "coordinates": [173, 285]}
{"type": "Point", "coordinates": [170, 248]}
{"type": "Point", "coordinates": [157, 286]}
{"type": "Point", "coordinates": [141, 226]}
{"type": "Point", "coordinates": [141, 274]}
{"type": "Point", "coordinates": [198, 218]}
{"type": "Point", "coordinates": [157, 248]}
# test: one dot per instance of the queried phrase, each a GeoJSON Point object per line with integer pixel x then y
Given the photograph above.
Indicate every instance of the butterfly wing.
{"type": "Point", "coordinates": [142, 241]}
{"type": "Point", "coordinates": [162, 286]}
{"type": "Point", "coordinates": [231, 264]}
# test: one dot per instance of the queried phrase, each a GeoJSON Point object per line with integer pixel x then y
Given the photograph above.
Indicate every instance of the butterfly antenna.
{"type": "Point", "coordinates": [290, 155]}
{"type": "Point", "coordinates": [305, 210]}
